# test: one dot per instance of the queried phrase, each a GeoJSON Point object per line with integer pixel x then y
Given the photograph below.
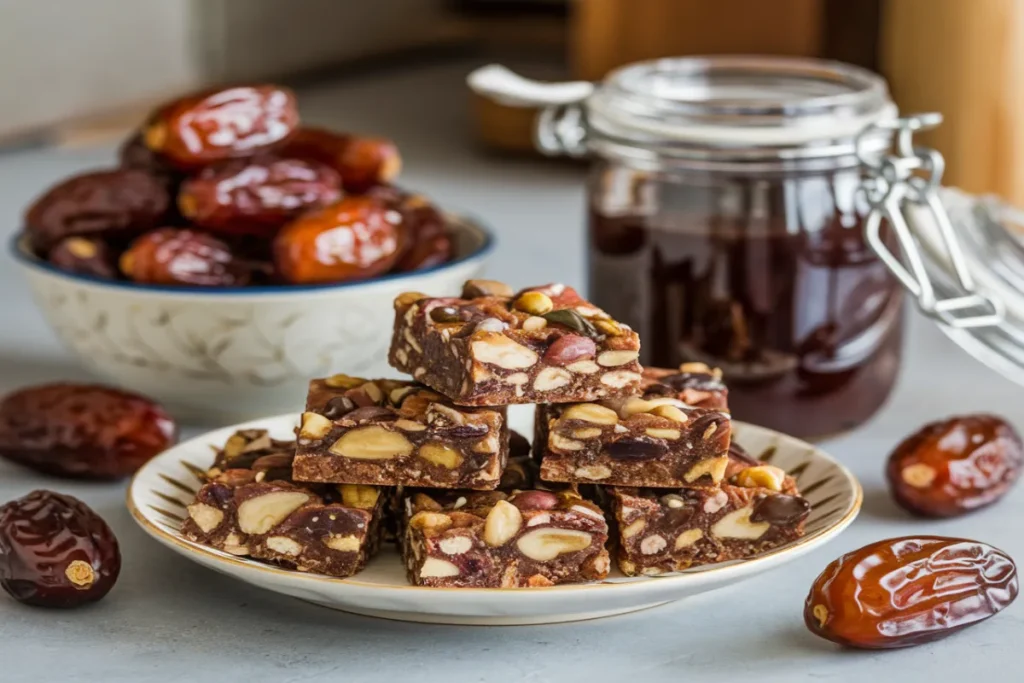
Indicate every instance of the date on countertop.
{"type": "Point", "coordinates": [55, 551]}
{"type": "Point", "coordinates": [908, 591]}
{"type": "Point", "coordinates": [955, 466]}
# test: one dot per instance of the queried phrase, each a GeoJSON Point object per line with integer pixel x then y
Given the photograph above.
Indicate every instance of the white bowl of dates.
{"type": "Point", "coordinates": [233, 254]}
{"type": "Point", "coordinates": [163, 496]}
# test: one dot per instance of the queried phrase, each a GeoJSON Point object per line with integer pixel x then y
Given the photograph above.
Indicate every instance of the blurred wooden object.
{"type": "Point", "coordinates": [966, 60]}
{"type": "Point", "coordinates": [852, 32]}
{"type": "Point", "coordinates": [605, 34]}
{"type": "Point", "coordinates": [500, 127]}
{"type": "Point", "coordinates": [610, 33]}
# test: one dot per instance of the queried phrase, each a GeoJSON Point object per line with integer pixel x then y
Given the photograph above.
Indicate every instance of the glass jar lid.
{"type": "Point", "coordinates": [743, 106]}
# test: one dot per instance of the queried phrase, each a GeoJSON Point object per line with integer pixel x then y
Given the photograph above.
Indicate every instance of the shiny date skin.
{"type": "Point", "coordinates": [955, 466]}
{"type": "Point", "coordinates": [55, 551]}
{"type": "Point", "coordinates": [108, 204]}
{"type": "Point", "coordinates": [216, 125]}
{"type": "Point", "coordinates": [354, 239]}
{"type": "Point", "coordinates": [908, 591]}
{"type": "Point", "coordinates": [82, 431]}
{"type": "Point", "coordinates": [84, 256]}
{"type": "Point", "coordinates": [426, 242]}
{"type": "Point", "coordinates": [429, 243]}
{"type": "Point", "coordinates": [181, 257]}
{"type": "Point", "coordinates": [256, 196]}
{"type": "Point", "coordinates": [133, 153]}
{"type": "Point", "coordinates": [362, 162]}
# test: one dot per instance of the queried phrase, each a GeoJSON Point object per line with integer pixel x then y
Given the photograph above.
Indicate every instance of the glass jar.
{"type": "Point", "coordinates": [726, 227]}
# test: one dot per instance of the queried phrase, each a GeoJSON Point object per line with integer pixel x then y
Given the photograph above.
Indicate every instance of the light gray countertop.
{"type": "Point", "coordinates": [171, 620]}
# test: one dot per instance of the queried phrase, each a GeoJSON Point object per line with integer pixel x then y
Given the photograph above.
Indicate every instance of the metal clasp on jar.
{"type": "Point", "coordinates": [902, 189]}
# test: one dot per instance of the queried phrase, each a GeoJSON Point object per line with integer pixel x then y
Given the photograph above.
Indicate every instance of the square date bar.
{"type": "Point", "coordinates": [392, 432]}
{"type": "Point", "coordinates": [252, 509]}
{"type": "Point", "coordinates": [758, 508]}
{"type": "Point", "coordinates": [694, 384]}
{"type": "Point", "coordinates": [656, 440]}
{"type": "Point", "coordinates": [522, 539]}
{"type": "Point", "coordinates": [495, 347]}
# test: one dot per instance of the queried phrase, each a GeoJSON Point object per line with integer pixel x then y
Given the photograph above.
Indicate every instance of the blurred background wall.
{"type": "Point", "coordinates": [72, 59]}
{"type": "Point", "coordinates": [95, 64]}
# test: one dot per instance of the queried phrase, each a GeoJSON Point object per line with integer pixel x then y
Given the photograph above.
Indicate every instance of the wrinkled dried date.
{"type": "Point", "coordinates": [85, 256]}
{"type": "Point", "coordinates": [119, 203]}
{"type": "Point", "coordinates": [183, 257]}
{"type": "Point", "coordinates": [362, 162]}
{"type": "Point", "coordinates": [82, 431]}
{"type": "Point", "coordinates": [955, 466]}
{"type": "Point", "coordinates": [55, 551]}
{"type": "Point", "coordinates": [256, 196]}
{"type": "Point", "coordinates": [907, 591]}
{"type": "Point", "coordinates": [222, 124]}
{"type": "Point", "coordinates": [353, 239]}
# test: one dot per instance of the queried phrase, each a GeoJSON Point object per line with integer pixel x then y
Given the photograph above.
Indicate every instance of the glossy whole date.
{"type": "Point", "coordinates": [907, 591]}
{"type": "Point", "coordinates": [256, 196]}
{"type": "Point", "coordinates": [133, 153]}
{"type": "Point", "coordinates": [955, 466]}
{"type": "Point", "coordinates": [429, 243]}
{"type": "Point", "coordinates": [55, 551]}
{"type": "Point", "coordinates": [180, 257]}
{"type": "Point", "coordinates": [84, 256]}
{"type": "Point", "coordinates": [82, 431]}
{"type": "Point", "coordinates": [215, 125]}
{"type": "Point", "coordinates": [353, 239]}
{"type": "Point", "coordinates": [120, 203]}
{"type": "Point", "coordinates": [426, 242]}
{"type": "Point", "coordinates": [362, 162]}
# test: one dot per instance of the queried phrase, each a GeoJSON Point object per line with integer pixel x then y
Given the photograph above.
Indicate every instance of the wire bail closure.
{"type": "Point", "coordinates": [906, 179]}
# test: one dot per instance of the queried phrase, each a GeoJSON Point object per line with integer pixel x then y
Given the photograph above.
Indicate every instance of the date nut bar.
{"type": "Point", "coordinates": [657, 442]}
{"type": "Point", "coordinates": [494, 347]}
{"type": "Point", "coordinates": [694, 384]}
{"type": "Point", "coordinates": [756, 510]}
{"type": "Point", "coordinates": [288, 524]}
{"type": "Point", "coordinates": [498, 540]}
{"type": "Point", "coordinates": [391, 432]}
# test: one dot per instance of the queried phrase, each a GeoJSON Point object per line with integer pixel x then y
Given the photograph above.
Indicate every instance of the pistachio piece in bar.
{"type": "Point", "coordinates": [492, 347]}
{"type": "Point", "coordinates": [391, 432]}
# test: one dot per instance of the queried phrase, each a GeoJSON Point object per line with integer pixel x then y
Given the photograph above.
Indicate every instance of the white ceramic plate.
{"type": "Point", "coordinates": [163, 487]}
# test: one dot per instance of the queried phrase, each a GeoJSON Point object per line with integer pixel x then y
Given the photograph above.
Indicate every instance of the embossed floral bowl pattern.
{"type": "Point", "coordinates": [163, 487]}
{"type": "Point", "coordinates": [223, 355]}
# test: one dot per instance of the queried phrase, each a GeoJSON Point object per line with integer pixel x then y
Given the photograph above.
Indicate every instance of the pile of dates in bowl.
{"type": "Point", "coordinates": [233, 254]}
{"type": "Point", "coordinates": [225, 188]}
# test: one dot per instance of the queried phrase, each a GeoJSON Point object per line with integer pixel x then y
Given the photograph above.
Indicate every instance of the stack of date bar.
{"type": "Point", "coordinates": [632, 459]}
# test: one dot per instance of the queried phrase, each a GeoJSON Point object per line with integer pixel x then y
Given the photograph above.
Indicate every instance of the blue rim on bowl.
{"type": "Point", "coordinates": [457, 222]}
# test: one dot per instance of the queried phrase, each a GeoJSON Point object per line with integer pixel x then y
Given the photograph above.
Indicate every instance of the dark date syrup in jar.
{"type": "Point", "coordinates": [770, 280]}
